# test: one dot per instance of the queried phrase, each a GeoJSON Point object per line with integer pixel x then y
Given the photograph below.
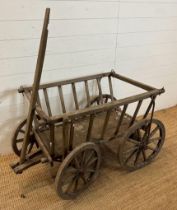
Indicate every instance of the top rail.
{"type": "Point", "coordinates": [65, 82]}
{"type": "Point", "coordinates": [151, 90]}
{"type": "Point", "coordinates": [133, 82]}
{"type": "Point", "coordinates": [90, 77]}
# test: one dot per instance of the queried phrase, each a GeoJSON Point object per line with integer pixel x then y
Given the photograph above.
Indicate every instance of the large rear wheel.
{"type": "Point", "coordinates": [78, 170]}
{"type": "Point", "coordinates": [141, 144]}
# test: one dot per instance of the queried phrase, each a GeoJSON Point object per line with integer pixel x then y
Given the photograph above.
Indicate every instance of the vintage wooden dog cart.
{"type": "Point", "coordinates": [74, 138]}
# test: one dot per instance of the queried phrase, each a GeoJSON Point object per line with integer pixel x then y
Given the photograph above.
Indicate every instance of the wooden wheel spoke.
{"type": "Point", "coordinates": [130, 156]}
{"type": "Point", "coordinates": [19, 140]}
{"type": "Point", "coordinates": [137, 156]}
{"type": "Point", "coordinates": [71, 184]}
{"type": "Point", "coordinates": [153, 140]}
{"type": "Point", "coordinates": [83, 158]}
{"type": "Point", "coordinates": [92, 161]}
{"type": "Point", "coordinates": [133, 141]}
{"type": "Point", "coordinates": [83, 179]}
{"type": "Point", "coordinates": [70, 174]}
{"type": "Point", "coordinates": [153, 132]}
{"type": "Point", "coordinates": [144, 154]}
{"type": "Point", "coordinates": [76, 183]}
{"type": "Point", "coordinates": [77, 163]}
{"type": "Point", "coordinates": [88, 157]}
{"type": "Point", "coordinates": [68, 179]}
{"type": "Point", "coordinates": [21, 131]}
{"type": "Point", "coordinates": [71, 170]}
{"type": "Point", "coordinates": [150, 148]}
{"type": "Point", "coordinates": [90, 170]}
{"type": "Point", "coordinates": [130, 150]}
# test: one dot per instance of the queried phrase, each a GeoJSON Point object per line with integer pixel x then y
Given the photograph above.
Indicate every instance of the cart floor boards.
{"type": "Point", "coordinates": [80, 132]}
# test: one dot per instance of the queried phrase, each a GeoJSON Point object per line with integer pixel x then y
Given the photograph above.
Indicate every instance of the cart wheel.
{"type": "Point", "coordinates": [18, 136]}
{"type": "Point", "coordinates": [78, 170]}
{"type": "Point", "coordinates": [97, 99]}
{"type": "Point", "coordinates": [137, 148]}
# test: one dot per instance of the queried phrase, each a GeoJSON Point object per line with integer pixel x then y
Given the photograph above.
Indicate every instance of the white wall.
{"type": "Point", "coordinates": [137, 38]}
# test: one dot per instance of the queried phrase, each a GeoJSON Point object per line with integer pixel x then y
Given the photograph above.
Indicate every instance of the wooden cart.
{"type": "Point", "coordinates": [74, 138]}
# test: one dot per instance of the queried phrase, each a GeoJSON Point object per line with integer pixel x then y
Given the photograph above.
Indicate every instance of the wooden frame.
{"type": "Point", "coordinates": [39, 121]}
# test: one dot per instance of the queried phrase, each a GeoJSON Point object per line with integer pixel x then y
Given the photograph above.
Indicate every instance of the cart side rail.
{"type": "Point", "coordinates": [107, 106]}
{"type": "Point", "coordinates": [81, 112]}
{"type": "Point", "coordinates": [90, 77]}
{"type": "Point", "coordinates": [133, 82]}
{"type": "Point", "coordinates": [27, 91]}
{"type": "Point", "coordinates": [66, 82]}
{"type": "Point", "coordinates": [72, 82]}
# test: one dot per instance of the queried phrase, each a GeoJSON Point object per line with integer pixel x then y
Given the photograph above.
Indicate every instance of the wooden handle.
{"type": "Point", "coordinates": [36, 82]}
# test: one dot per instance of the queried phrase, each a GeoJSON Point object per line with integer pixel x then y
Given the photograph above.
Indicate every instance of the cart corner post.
{"type": "Point", "coordinates": [36, 82]}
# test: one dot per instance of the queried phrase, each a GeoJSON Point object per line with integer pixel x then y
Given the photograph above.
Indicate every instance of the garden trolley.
{"type": "Point", "coordinates": [75, 138]}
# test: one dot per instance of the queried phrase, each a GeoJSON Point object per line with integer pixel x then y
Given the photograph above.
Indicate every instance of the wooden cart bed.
{"type": "Point", "coordinates": [81, 128]}
{"type": "Point", "coordinates": [73, 137]}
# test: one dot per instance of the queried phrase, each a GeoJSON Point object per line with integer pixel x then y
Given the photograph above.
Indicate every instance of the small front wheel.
{"type": "Point", "coordinates": [78, 170]}
{"type": "Point", "coordinates": [18, 137]}
{"type": "Point", "coordinates": [141, 144]}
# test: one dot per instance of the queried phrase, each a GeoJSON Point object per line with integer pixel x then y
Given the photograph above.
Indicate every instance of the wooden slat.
{"type": "Point", "coordinates": [121, 119]}
{"type": "Point", "coordinates": [149, 107]}
{"type": "Point", "coordinates": [75, 96]}
{"type": "Point", "coordinates": [87, 92]}
{"type": "Point", "coordinates": [110, 87]}
{"type": "Point", "coordinates": [52, 139]}
{"type": "Point", "coordinates": [89, 131]}
{"type": "Point", "coordinates": [62, 99]}
{"type": "Point", "coordinates": [65, 139]}
{"type": "Point", "coordinates": [47, 101]}
{"type": "Point", "coordinates": [105, 123]}
{"type": "Point", "coordinates": [71, 137]}
{"type": "Point", "coordinates": [100, 90]}
{"type": "Point", "coordinates": [136, 112]}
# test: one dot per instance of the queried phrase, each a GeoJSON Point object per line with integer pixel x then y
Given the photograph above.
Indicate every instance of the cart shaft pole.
{"type": "Point", "coordinates": [35, 87]}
